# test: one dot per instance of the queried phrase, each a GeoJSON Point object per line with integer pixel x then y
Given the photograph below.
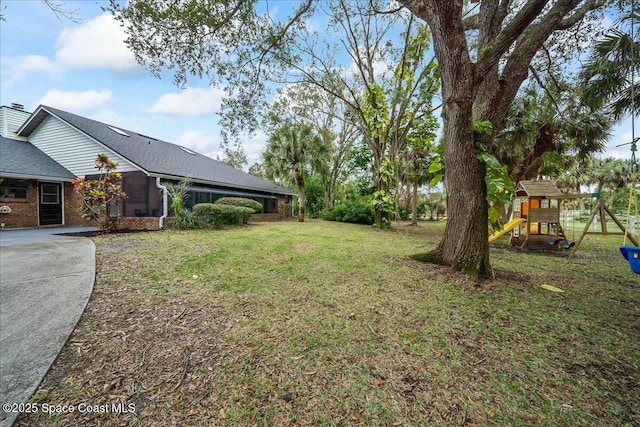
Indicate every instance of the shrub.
{"type": "Point", "coordinates": [241, 201]}
{"type": "Point", "coordinates": [186, 220]}
{"type": "Point", "coordinates": [221, 214]}
{"type": "Point", "coordinates": [99, 195]}
{"type": "Point", "coordinates": [351, 211]}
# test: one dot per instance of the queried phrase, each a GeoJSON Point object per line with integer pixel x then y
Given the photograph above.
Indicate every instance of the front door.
{"type": "Point", "coordinates": [50, 203]}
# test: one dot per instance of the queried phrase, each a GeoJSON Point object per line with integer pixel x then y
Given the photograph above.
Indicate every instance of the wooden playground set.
{"type": "Point", "coordinates": [536, 223]}
{"type": "Point", "coordinates": [537, 205]}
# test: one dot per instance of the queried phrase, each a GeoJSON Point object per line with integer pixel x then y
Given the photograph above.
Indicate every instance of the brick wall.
{"type": "Point", "coordinates": [284, 206]}
{"type": "Point", "coordinates": [72, 206]}
{"type": "Point", "coordinates": [24, 212]}
{"type": "Point", "coordinates": [140, 223]}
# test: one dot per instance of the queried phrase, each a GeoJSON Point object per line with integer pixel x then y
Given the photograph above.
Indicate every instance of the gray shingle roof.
{"type": "Point", "coordinates": [20, 159]}
{"type": "Point", "coordinates": [161, 157]}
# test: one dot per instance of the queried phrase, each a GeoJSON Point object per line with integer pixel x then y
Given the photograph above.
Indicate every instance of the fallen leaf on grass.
{"type": "Point", "coordinates": [356, 415]}
{"type": "Point", "coordinates": [551, 288]}
{"type": "Point", "coordinates": [379, 383]}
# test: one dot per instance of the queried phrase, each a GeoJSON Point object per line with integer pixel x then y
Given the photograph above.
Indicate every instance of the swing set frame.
{"type": "Point", "coordinates": [602, 210]}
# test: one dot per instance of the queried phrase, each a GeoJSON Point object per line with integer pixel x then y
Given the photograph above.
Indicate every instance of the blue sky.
{"type": "Point", "coordinates": [86, 69]}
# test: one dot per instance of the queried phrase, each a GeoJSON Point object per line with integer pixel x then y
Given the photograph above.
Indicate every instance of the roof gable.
{"type": "Point", "coordinates": [69, 146]}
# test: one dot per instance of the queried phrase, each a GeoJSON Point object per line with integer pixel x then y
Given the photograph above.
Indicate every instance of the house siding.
{"type": "Point", "coordinates": [72, 149]}
{"type": "Point", "coordinates": [11, 120]}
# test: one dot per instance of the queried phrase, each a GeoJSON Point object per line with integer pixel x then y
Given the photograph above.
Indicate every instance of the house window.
{"type": "Point", "coordinates": [50, 194]}
{"type": "Point", "coordinates": [13, 188]}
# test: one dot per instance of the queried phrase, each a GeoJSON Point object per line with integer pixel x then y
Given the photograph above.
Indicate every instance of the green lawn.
{"type": "Point", "coordinates": [331, 324]}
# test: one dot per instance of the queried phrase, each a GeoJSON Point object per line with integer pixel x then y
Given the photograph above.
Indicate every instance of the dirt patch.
{"type": "Point", "coordinates": [151, 357]}
{"type": "Point", "coordinates": [514, 277]}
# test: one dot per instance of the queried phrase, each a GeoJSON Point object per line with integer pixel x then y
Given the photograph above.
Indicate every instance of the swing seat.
{"type": "Point", "coordinates": [632, 254]}
{"type": "Point", "coordinates": [554, 242]}
{"type": "Point", "coordinates": [567, 245]}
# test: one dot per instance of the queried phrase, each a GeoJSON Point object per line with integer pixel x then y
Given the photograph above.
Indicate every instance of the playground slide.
{"type": "Point", "coordinates": [507, 228]}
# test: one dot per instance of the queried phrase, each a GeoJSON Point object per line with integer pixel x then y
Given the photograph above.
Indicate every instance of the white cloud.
{"type": "Point", "coordinates": [19, 68]}
{"type": "Point", "coordinates": [254, 146]}
{"type": "Point", "coordinates": [617, 154]}
{"type": "Point", "coordinates": [190, 102]}
{"type": "Point", "coordinates": [75, 101]}
{"type": "Point", "coordinates": [202, 142]}
{"type": "Point", "coordinates": [37, 63]}
{"type": "Point", "coordinates": [97, 44]}
{"type": "Point", "coordinates": [619, 146]}
{"type": "Point", "coordinates": [380, 68]}
{"type": "Point", "coordinates": [209, 144]}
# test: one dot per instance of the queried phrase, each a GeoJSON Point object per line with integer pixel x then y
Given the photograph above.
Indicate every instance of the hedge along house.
{"type": "Point", "coordinates": [146, 164]}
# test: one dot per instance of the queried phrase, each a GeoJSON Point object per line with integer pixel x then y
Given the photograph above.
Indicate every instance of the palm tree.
{"type": "Point", "coordinates": [538, 138]}
{"type": "Point", "coordinates": [609, 174]}
{"type": "Point", "coordinates": [608, 73]}
{"type": "Point", "coordinates": [291, 151]}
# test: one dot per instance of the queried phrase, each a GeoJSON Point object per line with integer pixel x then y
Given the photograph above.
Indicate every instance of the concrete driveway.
{"type": "Point", "coordinates": [45, 284]}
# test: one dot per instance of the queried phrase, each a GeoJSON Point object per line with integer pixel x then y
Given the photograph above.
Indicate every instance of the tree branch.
{"type": "Point", "coordinates": [508, 35]}
{"type": "Point", "coordinates": [60, 11]}
{"type": "Point", "coordinates": [544, 87]}
{"type": "Point", "coordinates": [275, 41]}
{"type": "Point", "coordinates": [579, 14]}
{"type": "Point", "coordinates": [278, 39]}
{"type": "Point", "coordinates": [471, 22]}
{"type": "Point", "coordinates": [384, 12]}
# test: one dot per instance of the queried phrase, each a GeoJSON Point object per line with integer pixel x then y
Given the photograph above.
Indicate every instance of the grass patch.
{"type": "Point", "coordinates": [325, 323]}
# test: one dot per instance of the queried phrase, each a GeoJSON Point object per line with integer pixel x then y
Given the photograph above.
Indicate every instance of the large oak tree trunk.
{"type": "Point", "coordinates": [465, 244]}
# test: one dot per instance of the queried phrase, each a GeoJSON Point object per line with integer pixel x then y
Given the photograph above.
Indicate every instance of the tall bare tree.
{"type": "Point", "coordinates": [305, 103]}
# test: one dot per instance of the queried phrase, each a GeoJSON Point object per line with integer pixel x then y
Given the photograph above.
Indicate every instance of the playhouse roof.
{"type": "Point", "coordinates": [538, 189]}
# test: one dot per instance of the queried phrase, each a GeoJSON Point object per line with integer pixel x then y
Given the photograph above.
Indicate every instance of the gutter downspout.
{"type": "Point", "coordinates": [165, 203]}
